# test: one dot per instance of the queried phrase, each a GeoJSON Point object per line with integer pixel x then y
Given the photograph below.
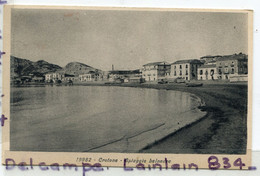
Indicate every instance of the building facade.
{"type": "Point", "coordinates": [156, 71]}
{"type": "Point", "coordinates": [123, 75]}
{"type": "Point", "coordinates": [86, 77]}
{"type": "Point", "coordinates": [207, 72]}
{"type": "Point", "coordinates": [68, 78]}
{"type": "Point", "coordinates": [91, 76]}
{"type": "Point", "coordinates": [229, 66]}
{"type": "Point", "coordinates": [54, 76]}
{"type": "Point", "coordinates": [185, 69]}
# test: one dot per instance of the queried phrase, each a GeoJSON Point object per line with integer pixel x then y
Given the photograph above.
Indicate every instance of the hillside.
{"type": "Point", "coordinates": [23, 67]}
{"type": "Point", "coordinates": [76, 68]}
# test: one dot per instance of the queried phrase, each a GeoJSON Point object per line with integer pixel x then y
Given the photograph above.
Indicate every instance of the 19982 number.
{"type": "Point", "coordinates": [83, 159]}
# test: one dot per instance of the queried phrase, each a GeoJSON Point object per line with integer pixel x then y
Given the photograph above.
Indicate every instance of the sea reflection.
{"type": "Point", "coordinates": [78, 118]}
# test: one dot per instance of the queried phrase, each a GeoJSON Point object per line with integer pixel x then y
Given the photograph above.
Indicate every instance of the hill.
{"type": "Point", "coordinates": [77, 68]}
{"type": "Point", "coordinates": [23, 67]}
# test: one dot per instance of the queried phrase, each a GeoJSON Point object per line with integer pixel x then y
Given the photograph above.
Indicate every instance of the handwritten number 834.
{"type": "Point", "coordinates": [215, 164]}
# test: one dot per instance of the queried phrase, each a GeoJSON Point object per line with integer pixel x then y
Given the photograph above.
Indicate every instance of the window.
{"type": "Point", "coordinates": [212, 72]}
{"type": "Point", "coordinates": [186, 72]}
{"type": "Point", "coordinates": [174, 66]}
{"type": "Point", "coordinates": [180, 72]}
{"type": "Point", "coordinates": [186, 65]}
{"type": "Point", "coordinates": [219, 71]}
{"type": "Point", "coordinates": [226, 70]}
{"type": "Point", "coordinates": [180, 67]}
{"type": "Point", "coordinates": [206, 72]}
{"type": "Point", "coordinates": [232, 71]}
{"type": "Point", "coordinates": [201, 72]}
{"type": "Point", "coordinates": [174, 73]}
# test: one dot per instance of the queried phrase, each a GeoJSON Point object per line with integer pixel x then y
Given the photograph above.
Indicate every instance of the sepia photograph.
{"type": "Point", "coordinates": [133, 81]}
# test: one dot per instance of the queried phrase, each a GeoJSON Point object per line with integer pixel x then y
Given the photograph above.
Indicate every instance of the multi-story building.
{"type": "Point", "coordinates": [91, 76]}
{"type": "Point", "coordinates": [86, 77]}
{"type": "Point", "coordinates": [185, 69]}
{"type": "Point", "coordinates": [156, 70]}
{"type": "Point", "coordinates": [207, 72]}
{"type": "Point", "coordinates": [54, 76]}
{"type": "Point", "coordinates": [233, 65]}
{"type": "Point", "coordinates": [68, 77]}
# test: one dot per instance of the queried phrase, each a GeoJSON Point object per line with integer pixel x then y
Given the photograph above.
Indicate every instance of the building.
{"type": "Point", "coordinates": [232, 65]}
{"type": "Point", "coordinates": [124, 75]}
{"type": "Point", "coordinates": [68, 77]}
{"type": "Point", "coordinates": [185, 69]}
{"type": "Point", "coordinates": [86, 77]}
{"type": "Point", "coordinates": [38, 79]}
{"type": "Point", "coordinates": [54, 76]}
{"type": "Point", "coordinates": [92, 76]}
{"type": "Point", "coordinates": [207, 72]}
{"type": "Point", "coordinates": [156, 71]}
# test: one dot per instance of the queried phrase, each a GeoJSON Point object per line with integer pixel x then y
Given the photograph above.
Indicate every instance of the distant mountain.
{"type": "Point", "coordinates": [77, 68]}
{"type": "Point", "coordinates": [23, 67]}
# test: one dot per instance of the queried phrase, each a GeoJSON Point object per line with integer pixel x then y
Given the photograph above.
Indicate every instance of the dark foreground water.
{"type": "Point", "coordinates": [96, 119]}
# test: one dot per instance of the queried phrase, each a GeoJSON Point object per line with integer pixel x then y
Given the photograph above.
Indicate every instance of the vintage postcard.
{"type": "Point", "coordinates": [127, 87]}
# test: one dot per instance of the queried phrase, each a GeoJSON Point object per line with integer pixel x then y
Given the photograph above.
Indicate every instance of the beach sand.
{"type": "Point", "coordinates": [222, 131]}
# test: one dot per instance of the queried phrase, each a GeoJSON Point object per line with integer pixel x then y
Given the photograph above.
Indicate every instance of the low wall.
{"type": "Point", "coordinates": [239, 78]}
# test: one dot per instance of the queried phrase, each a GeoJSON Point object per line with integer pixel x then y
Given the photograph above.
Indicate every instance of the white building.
{"type": "Point", "coordinates": [207, 72]}
{"type": "Point", "coordinates": [86, 77]}
{"type": "Point", "coordinates": [155, 71]}
{"type": "Point", "coordinates": [54, 76]}
{"type": "Point", "coordinates": [185, 69]}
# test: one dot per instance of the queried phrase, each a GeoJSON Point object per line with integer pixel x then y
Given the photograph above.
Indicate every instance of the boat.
{"type": "Point", "coordinates": [194, 84]}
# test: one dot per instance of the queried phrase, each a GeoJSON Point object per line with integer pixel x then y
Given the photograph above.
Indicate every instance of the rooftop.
{"type": "Point", "coordinates": [68, 75]}
{"type": "Point", "coordinates": [208, 66]}
{"type": "Point", "coordinates": [234, 57]}
{"type": "Point", "coordinates": [210, 56]}
{"type": "Point", "coordinates": [190, 61]}
{"type": "Point", "coordinates": [157, 63]}
{"type": "Point", "coordinates": [124, 72]}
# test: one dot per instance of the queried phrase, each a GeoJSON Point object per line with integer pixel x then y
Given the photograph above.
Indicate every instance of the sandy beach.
{"type": "Point", "coordinates": [222, 131]}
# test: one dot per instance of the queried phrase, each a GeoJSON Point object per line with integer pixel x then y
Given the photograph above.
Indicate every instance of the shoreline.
{"type": "Point", "coordinates": [223, 130]}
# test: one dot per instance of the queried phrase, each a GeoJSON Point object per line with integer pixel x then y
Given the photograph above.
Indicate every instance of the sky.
{"type": "Point", "coordinates": [127, 39]}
